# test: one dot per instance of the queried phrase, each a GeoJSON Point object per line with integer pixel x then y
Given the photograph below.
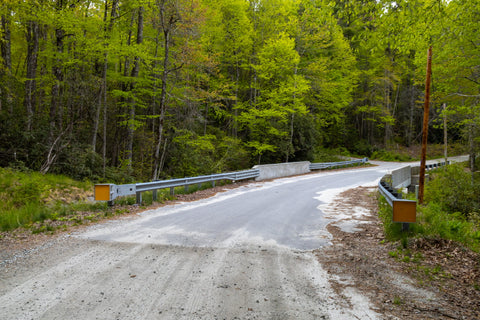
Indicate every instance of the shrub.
{"type": "Point", "coordinates": [452, 188]}
{"type": "Point", "coordinates": [329, 155]}
{"type": "Point", "coordinates": [362, 147]}
{"type": "Point", "coordinates": [385, 155]}
{"type": "Point", "coordinates": [434, 221]}
{"type": "Point", "coordinates": [450, 210]}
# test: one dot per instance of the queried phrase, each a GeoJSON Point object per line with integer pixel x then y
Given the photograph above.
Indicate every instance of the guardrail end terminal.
{"type": "Point", "coordinates": [102, 192]}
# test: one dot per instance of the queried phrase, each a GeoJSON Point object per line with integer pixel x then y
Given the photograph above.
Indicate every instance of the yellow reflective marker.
{"type": "Point", "coordinates": [102, 192]}
{"type": "Point", "coordinates": [404, 211]}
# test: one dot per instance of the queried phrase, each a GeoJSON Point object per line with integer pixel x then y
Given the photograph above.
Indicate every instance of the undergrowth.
{"type": "Point", "coordinates": [329, 155]}
{"type": "Point", "coordinates": [450, 211]}
{"type": "Point", "coordinates": [30, 197]}
{"type": "Point", "coordinates": [386, 155]}
{"type": "Point", "coordinates": [413, 153]}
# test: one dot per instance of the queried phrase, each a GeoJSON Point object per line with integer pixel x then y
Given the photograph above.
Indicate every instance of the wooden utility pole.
{"type": "Point", "coordinates": [426, 108]}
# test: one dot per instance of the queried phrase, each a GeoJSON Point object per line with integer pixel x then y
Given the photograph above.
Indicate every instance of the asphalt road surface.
{"type": "Point", "coordinates": [243, 254]}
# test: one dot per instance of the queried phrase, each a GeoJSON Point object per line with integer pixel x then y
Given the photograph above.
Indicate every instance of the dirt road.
{"type": "Point", "coordinates": [246, 253]}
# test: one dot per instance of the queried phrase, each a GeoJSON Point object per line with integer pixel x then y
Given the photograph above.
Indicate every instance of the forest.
{"type": "Point", "coordinates": [122, 90]}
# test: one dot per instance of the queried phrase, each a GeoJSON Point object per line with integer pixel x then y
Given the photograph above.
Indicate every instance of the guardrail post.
{"type": "Point", "coordinates": [154, 195]}
{"type": "Point", "coordinates": [139, 197]}
{"type": "Point", "coordinates": [213, 184]}
{"type": "Point", "coordinates": [172, 191]}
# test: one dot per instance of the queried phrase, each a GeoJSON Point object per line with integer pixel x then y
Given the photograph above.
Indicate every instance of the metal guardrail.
{"type": "Point", "coordinates": [329, 165]}
{"type": "Point", "coordinates": [109, 192]}
{"type": "Point", "coordinates": [387, 191]}
{"type": "Point", "coordinates": [404, 211]}
{"type": "Point", "coordinates": [437, 165]}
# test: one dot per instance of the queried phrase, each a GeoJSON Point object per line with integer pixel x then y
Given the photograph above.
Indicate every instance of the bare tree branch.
{"type": "Point", "coordinates": [464, 95]}
{"type": "Point", "coordinates": [474, 81]}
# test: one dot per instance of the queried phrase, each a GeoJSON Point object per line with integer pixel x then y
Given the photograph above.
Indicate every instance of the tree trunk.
{"type": "Point", "coordinates": [168, 22]}
{"type": "Point", "coordinates": [5, 43]}
{"type": "Point", "coordinates": [134, 75]}
{"type": "Point", "coordinates": [56, 114]}
{"type": "Point", "coordinates": [471, 140]}
{"type": "Point", "coordinates": [290, 141]}
{"type": "Point", "coordinates": [96, 121]}
{"type": "Point", "coordinates": [411, 115]}
{"type": "Point", "coordinates": [129, 87]}
{"type": "Point", "coordinates": [102, 98]}
{"type": "Point", "coordinates": [386, 101]}
{"type": "Point", "coordinates": [6, 54]}
{"type": "Point", "coordinates": [32, 36]}
{"type": "Point", "coordinates": [445, 136]}
{"type": "Point", "coordinates": [237, 85]}
{"type": "Point", "coordinates": [163, 101]}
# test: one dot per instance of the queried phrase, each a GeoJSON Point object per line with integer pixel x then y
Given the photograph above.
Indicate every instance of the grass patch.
{"type": "Point", "coordinates": [397, 301]}
{"type": "Point", "coordinates": [30, 197]}
{"type": "Point", "coordinates": [451, 211]}
{"type": "Point", "coordinates": [432, 222]}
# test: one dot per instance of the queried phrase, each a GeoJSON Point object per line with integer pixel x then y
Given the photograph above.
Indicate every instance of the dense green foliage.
{"type": "Point", "coordinates": [451, 210]}
{"type": "Point", "coordinates": [118, 90]}
{"type": "Point", "coordinates": [454, 191]}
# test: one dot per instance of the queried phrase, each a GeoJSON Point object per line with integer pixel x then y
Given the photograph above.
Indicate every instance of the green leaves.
{"type": "Point", "coordinates": [276, 78]}
{"type": "Point", "coordinates": [278, 59]}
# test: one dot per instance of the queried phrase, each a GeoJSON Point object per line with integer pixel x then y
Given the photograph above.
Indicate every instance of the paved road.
{"type": "Point", "coordinates": [280, 213]}
{"type": "Point", "coordinates": [243, 254]}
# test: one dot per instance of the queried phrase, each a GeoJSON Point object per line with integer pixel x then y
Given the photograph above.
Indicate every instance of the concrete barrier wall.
{"type": "Point", "coordinates": [401, 178]}
{"type": "Point", "coordinates": [271, 171]}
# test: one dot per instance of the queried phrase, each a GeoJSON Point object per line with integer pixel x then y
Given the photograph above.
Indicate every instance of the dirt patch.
{"type": "Point", "coordinates": [67, 195]}
{"type": "Point", "coordinates": [433, 279]}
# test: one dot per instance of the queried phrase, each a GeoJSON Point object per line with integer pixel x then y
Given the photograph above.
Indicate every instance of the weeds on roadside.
{"type": "Point", "coordinates": [450, 211]}
{"type": "Point", "coordinates": [30, 197]}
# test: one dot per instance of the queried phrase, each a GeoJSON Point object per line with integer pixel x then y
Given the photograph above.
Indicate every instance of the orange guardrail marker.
{"type": "Point", "coordinates": [102, 192]}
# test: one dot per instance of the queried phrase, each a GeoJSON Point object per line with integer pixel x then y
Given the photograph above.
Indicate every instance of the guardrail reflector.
{"type": "Point", "coordinates": [404, 211]}
{"type": "Point", "coordinates": [102, 192]}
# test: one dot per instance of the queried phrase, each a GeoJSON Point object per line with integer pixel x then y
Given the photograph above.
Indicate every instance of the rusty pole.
{"type": "Point", "coordinates": [426, 108]}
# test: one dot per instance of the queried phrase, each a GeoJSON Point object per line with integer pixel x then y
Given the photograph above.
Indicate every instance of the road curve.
{"type": "Point", "coordinates": [243, 254]}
